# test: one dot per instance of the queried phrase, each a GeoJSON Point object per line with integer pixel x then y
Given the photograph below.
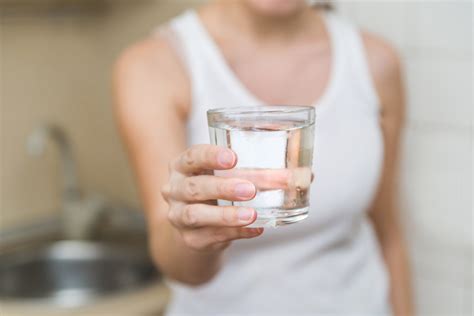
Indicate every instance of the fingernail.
{"type": "Point", "coordinates": [225, 158]}
{"type": "Point", "coordinates": [244, 190]}
{"type": "Point", "coordinates": [245, 214]}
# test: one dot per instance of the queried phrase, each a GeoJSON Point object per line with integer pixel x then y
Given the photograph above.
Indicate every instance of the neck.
{"type": "Point", "coordinates": [269, 28]}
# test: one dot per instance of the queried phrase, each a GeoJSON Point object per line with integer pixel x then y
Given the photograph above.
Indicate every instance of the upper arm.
{"type": "Point", "coordinates": [151, 104]}
{"type": "Point", "coordinates": [386, 71]}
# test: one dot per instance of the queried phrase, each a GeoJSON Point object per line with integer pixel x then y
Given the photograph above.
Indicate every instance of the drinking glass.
{"type": "Point", "coordinates": [274, 148]}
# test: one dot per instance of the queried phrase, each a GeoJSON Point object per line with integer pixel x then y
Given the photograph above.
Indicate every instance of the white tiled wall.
{"type": "Point", "coordinates": [434, 39]}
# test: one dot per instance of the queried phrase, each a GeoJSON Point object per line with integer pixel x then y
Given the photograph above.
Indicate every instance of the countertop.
{"type": "Point", "coordinates": [150, 301]}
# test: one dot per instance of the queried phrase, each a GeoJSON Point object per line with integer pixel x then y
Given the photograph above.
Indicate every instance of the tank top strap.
{"type": "Point", "coordinates": [181, 33]}
{"type": "Point", "coordinates": [353, 56]}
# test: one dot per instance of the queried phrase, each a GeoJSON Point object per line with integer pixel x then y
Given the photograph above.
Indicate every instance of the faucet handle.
{"type": "Point", "coordinates": [35, 146]}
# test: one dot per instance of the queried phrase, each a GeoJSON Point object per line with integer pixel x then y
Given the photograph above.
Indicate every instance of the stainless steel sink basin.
{"type": "Point", "coordinates": [71, 273]}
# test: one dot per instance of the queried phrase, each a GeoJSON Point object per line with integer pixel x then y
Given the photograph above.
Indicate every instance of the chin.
{"type": "Point", "coordinates": [276, 8]}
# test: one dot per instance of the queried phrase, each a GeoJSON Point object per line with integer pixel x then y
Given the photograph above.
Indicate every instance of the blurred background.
{"type": "Point", "coordinates": [55, 67]}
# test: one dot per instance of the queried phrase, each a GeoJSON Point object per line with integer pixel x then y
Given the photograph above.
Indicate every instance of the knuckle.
{"type": "Point", "coordinates": [189, 216]}
{"type": "Point", "coordinates": [207, 155]}
{"type": "Point", "coordinates": [222, 188]}
{"type": "Point", "coordinates": [171, 216]}
{"type": "Point", "coordinates": [188, 157]}
{"type": "Point", "coordinates": [191, 188]}
{"type": "Point", "coordinates": [211, 153]}
{"type": "Point", "coordinates": [228, 217]}
{"type": "Point", "coordinates": [165, 191]}
{"type": "Point", "coordinates": [174, 215]}
{"type": "Point", "coordinates": [173, 190]}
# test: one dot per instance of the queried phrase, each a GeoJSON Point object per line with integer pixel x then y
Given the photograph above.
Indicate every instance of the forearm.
{"type": "Point", "coordinates": [396, 258]}
{"type": "Point", "coordinates": [179, 262]}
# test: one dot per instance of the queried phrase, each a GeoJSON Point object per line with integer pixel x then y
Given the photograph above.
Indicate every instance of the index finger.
{"type": "Point", "coordinates": [203, 157]}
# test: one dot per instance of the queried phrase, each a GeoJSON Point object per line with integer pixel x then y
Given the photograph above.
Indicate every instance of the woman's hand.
{"type": "Point", "coordinates": [191, 193]}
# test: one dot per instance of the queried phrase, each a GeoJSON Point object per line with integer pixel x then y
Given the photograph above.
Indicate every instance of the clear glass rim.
{"type": "Point", "coordinates": [268, 109]}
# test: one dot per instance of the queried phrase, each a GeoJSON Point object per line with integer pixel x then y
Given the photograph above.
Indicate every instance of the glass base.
{"type": "Point", "coordinates": [274, 217]}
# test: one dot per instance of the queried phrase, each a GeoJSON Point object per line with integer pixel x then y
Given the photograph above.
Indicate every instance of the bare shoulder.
{"type": "Point", "coordinates": [386, 69]}
{"type": "Point", "coordinates": [153, 66]}
{"type": "Point", "coordinates": [150, 54]}
{"type": "Point", "coordinates": [384, 61]}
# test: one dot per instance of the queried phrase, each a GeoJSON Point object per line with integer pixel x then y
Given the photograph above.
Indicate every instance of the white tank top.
{"type": "Point", "coordinates": [329, 263]}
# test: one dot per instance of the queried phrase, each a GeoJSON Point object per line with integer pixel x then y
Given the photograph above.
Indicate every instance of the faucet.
{"type": "Point", "coordinates": [36, 144]}
{"type": "Point", "coordinates": [80, 214]}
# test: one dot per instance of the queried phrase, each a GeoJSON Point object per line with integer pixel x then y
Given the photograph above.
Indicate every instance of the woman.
{"type": "Point", "coordinates": [348, 257]}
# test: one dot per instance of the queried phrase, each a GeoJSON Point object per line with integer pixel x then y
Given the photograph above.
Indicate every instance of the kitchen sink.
{"type": "Point", "coordinates": [90, 248]}
{"type": "Point", "coordinates": [73, 273]}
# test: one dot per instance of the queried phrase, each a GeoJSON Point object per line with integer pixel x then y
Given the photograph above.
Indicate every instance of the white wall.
{"type": "Point", "coordinates": [434, 39]}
